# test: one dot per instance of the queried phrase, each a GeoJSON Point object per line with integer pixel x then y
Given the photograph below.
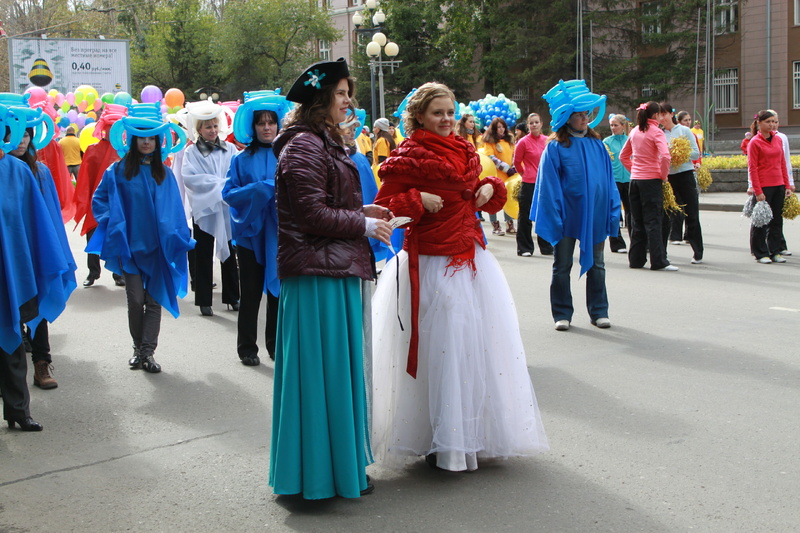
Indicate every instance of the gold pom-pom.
{"type": "Point", "coordinates": [704, 179]}
{"type": "Point", "coordinates": [791, 207]}
{"type": "Point", "coordinates": [679, 150]}
{"type": "Point", "coordinates": [514, 188]}
{"type": "Point", "coordinates": [670, 203]}
{"type": "Point", "coordinates": [610, 153]}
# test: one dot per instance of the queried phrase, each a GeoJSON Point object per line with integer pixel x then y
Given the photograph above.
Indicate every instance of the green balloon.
{"type": "Point", "coordinates": [107, 98]}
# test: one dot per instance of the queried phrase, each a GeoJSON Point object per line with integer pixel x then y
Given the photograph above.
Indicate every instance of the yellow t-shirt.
{"type": "Point", "coordinates": [381, 149]}
{"type": "Point", "coordinates": [364, 143]}
{"type": "Point", "coordinates": [502, 151]}
{"type": "Point", "coordinates": [71, 147]}
{"type": "Point", "coordinates": [698, 132]}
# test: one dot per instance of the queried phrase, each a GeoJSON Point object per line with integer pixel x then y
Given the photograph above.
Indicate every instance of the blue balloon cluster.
{"type": "Point", "coordinates": [490, 107]}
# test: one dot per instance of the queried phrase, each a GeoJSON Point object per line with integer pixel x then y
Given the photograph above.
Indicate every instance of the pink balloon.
{"type": "Point", "coordinates": [37, 95]}
{"type": "Point", "coordinates": [82, 106]}
{"type": "Point", "coordinates": [51, 100]}
{"type": "Point", "coordinates": [71, 98]}
{"type": "Point", "coordinates": [97, 104]}
{"type": "Point", "coordinates": [59, 99]}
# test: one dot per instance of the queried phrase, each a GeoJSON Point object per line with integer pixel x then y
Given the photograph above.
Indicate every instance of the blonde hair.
{"type": "Point", "coordinates": [200, 123]}
{"type": "Point", "coordinates": [420, 101]}
{"type": "Point", "coordinates": [626, 126]}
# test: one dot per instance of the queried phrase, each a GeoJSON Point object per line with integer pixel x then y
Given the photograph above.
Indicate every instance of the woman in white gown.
{"type": "Point", "coordinates": [452, 382]}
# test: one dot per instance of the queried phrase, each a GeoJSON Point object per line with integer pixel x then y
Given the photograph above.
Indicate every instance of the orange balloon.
{"type": "Point", "coordinates": [174, 98]}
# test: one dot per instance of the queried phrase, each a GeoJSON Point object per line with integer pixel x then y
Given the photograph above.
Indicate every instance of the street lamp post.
{"type": "Point", "coordinates": [377, 45]}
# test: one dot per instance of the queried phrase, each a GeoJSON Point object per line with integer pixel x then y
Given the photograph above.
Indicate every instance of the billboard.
{"type": "Point", "coordinates": [65, 64]}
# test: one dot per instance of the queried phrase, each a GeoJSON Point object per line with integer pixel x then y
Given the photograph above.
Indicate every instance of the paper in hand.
{"type": "Point", "coordinates": [396, 222]}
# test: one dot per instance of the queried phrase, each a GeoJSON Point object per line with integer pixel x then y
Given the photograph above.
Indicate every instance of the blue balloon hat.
{"type": "Point", "coordinates": [568, 97]}
{"type": "Point", "coordinates": [26, 117]}
{"type": "Point", "coordinates": [258, 101]}
{"type": "Point", "coordinates": [144, 120]}
{"type": "Point", "coordinates": [360, 118]}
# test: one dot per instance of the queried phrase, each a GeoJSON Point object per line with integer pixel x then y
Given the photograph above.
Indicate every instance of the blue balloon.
{"type": "Point", "coordinates": [123, 98]}
{"type": "Point", "coordinates": [64, 122]}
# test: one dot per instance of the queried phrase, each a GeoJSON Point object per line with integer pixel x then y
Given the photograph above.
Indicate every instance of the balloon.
{"type": "Point", "coordinates": [107, 98]}
{"type": "Point", "coordinates": [151, 94]}
{"type": "Point", "coordinates": [72, 115]}
{"type": "Point", "coordinates": [122, 98]}
{"type": "Point", "coordinates": [175, 109]}
{"type": "Point", "coordinates": [79, 96]}
{"type": "Point", "coordinates": [64, 122]}
{"type": "Point", "coordinates": [53, 92]}
{"type": "Point", "coordinates": [87, 137]}
{"type": "Point", "coordinates": [81, 121]}
{"type": "Point", "coordinates": [164, 108]}
{"type": "Point", "coordinates": [60, 99]}
{"type": "Point", "coordinates": [89, 120]}
{"type": "Point", "coordinates": [37, 94]}
{"type": "Point", "coordinates": [82, 106]}
{"type": "Point", "coordinates": [65, 107]}
{"type": "Point", "coordinates": [512, 204]}
{"type": "Point", "coordinates": [98, 104]}
{"type": "Point", "coordinates": [92, 115]}
{"type": "Point", "coordinates": [51, 99]}
{"type": "Point", "coordinates": [71, 98]}
{"type": "Point", "coordinates": [174, 98]}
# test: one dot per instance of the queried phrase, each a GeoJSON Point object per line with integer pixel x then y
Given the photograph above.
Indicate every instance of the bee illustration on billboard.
{"type": "Point", "coordinates": [40, 74]}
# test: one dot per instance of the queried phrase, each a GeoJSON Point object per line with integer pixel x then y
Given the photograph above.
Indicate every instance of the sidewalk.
{"type": "Point", "coordinates": [722, 201]}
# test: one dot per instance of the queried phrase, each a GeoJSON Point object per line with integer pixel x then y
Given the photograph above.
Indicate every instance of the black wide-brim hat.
{"type": "Point", "coordinates": [315, 77]}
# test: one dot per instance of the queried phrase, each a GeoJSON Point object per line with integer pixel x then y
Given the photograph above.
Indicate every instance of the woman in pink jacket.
{"type": "Point", "coordinates": [646, 156]}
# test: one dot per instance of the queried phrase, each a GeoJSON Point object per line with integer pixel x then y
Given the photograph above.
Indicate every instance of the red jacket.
{"type": "Point", "coordinates": [766, 162]}
{"type": "Point", "coordinates": [52, 156]}
{"type": "Point", "coordinates": [96, 160]}
{"type": "Point", "coordinates": [454, 230]}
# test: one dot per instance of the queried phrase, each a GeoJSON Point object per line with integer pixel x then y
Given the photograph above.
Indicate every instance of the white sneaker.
{"type": "Point", "coordinates": [525, 254]}
{"type": "Point", "coordinates": [622, 251]}
{"type": "Point", "coordinates": [764, 260]}
{"type": "Point", "coordinates": [786, 252]}
{"type": "Point", "coordinates": [668, 268]}
{"type": "Point", "coordinates": [676, 242]}
{"type": "Point", "coordinates": [602, 323]}
{"type": "Point", "coordinates": [778, 259]}
{"type": "Point", "coordinates": [562, 325]}
{"type": "Point", "coordinates": [697, 261]}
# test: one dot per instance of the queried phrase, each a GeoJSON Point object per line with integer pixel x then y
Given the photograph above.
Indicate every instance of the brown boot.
{"type": "Point", "coordinates": [42, 377]}
{"type": "Point", "coordinates": [511, 230]}
{"type": "Point", "coordinates": [497, 230]}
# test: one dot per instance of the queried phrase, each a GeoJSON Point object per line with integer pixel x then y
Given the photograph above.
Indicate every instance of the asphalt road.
{"type": "Point", "coordinates": [681, 417]}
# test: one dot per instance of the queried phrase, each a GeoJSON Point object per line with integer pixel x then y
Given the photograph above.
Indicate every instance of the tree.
{"type": "Point", "coordinates": [264, 44]}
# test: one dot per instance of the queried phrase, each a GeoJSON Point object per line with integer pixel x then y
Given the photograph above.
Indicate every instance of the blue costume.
{"type": "Point", "coordinates": [369, 190]}
{"type": "Point", "coordinates": [33, 266]}
{"type": "Point", "coordinates": [576, 195]}
{"type": "Point", "coordinates": [250, 193]}
{"type": "Point", "coordinates": [141, 229]}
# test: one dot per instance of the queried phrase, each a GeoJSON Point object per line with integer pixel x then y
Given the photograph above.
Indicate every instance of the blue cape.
{"type": "Point", "coordinates": [250, 193]}
{"type": "Point", "coordinates": [142, 229]}
{"type": "Point", "coordinates": [369, 190]}
{"type": "Point", "coordinates": [32, 261]}
{"type": "Point", "coordinates": [576, 196]}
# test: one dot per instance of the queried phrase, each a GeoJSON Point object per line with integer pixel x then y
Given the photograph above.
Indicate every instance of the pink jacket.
{"type": "Point", "coordinates": [646, 154]}
{"type": "Point", "coordinates": [766, 163]}
{"type": "Point", "coordinates": [527, 155]}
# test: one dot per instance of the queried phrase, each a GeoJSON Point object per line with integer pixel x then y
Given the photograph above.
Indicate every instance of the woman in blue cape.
{"type": "Point", "coordinates": [250, 193]}
{"type": "Point", "coordinates": [576, 199]}
{"type": "Point", "coordinates": [142, 232]}
{"type": "Point", "coordinates": [40, 337]}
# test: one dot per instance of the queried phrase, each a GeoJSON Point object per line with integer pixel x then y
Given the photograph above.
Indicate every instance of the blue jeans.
{"type": "Point", "coordinates": [560, 294]}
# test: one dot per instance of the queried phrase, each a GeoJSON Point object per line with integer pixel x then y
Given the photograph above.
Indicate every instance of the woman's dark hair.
{"type": "Point", "coordinates": [29, 156]}
{"type": "Point", "coordinates": [133, 160]}
{"type": "Point", "coordinates": [257, 116]}
{"type": "Point", "coordinates": [491, 132]}
{"type": "Point", "coordinates": [764, 114]}
{"type": "Point", "coordinates": [385, 135]}
{"type": "Point", "coordinates": [644, 114]}
{"type": "Point", "coordinates": [521, 126]}
{"type": "Point", "coordinates": [682, 115]}
{"type": "Point", "coordinates": [461, 129]}
{"type": "Point", "coordinates": [315, 114]}
{"type": "Point", "coordinates": [563, 137]}
{"type": "Point", "coordinates": [666, 107]}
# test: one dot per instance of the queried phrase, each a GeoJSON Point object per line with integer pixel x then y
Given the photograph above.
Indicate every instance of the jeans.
{"type": "Point", "coordinates": [144, 315]}
{"type": "Point", "coordinates": [560, 294]}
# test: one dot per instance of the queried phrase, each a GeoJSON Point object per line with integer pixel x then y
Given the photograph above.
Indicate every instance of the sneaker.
{"type": "Point", "coordinates": [602, 323]}
{"type": "Point", "coordinates": [562, 325]}
{"type": "Point", "coordinates": [676, 242]}
{"type": "Point", "coordinates": [764, 260]}
{"type": "Point", "coordinates": [622, 251]}
{"type": "Point", "coordinates": [669, 268]}
{"type": "Point", "coordinates": [697, 261]}
{"type": "Point", "coordinates": [778, 259]}
{"type": "Point", "coordinates": [786, 252]}
{"type": "Point", "coordinates": [525, 254]}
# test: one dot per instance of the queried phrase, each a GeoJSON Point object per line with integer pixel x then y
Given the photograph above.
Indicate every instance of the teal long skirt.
{"type": "Point", "coordinates": [320, 441]}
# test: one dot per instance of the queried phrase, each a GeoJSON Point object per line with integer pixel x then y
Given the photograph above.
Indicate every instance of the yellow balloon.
{"type": "Point", "coordinates": [86, 137]}
{"type": "Point", "coordinates": [377, 178]}
{"type": "Point", "coordinates": [512, 204]}
{"type": "Point", "coordinates": [488, 167]}
{"type": "Point", "coordinates": [53, 92]}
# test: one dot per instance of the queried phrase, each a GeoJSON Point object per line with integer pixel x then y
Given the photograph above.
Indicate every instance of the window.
{"type": "Point", "coordinates": [358, 2]}
{"type": "Point", "coordinates": [797, 12]}
{"type": "Point", "coordinates": [726, 16]}
{"type": "Point", "coordinates": [651, 18]}
{"type": "Point", "coordinates": [796, 84]}
{"type": "Point", "coordinates": [726, 90]}
{"type": "Point", "coordinates": [649, 93]}
{"type": "Point", "coordinates": [520, 95]}
{"type": "Point", "coordinates": [325, 50]}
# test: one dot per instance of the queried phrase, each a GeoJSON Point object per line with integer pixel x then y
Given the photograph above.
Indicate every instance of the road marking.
{"type": "Point", "coordinates": [785, 309]}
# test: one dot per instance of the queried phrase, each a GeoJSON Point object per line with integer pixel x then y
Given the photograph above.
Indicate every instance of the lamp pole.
{"type": "Point", "coordinates": [375, 48]}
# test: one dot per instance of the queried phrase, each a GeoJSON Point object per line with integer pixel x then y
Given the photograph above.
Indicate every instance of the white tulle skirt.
{"type": "Point", "coordinates": [473, 396]}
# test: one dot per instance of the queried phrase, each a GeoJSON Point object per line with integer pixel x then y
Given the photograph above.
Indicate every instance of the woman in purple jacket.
{"type": "Point", "coordinates": [320, 441]}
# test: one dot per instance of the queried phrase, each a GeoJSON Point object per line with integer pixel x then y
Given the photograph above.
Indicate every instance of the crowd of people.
{"type": "Point", "coordinates": [298, 201]}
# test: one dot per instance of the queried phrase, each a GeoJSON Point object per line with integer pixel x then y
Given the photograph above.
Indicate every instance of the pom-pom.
{"type": "Point", "coordinates": [610, 153]}
{"type": "Point", "coordinates": [791, 207]}
{"type": "Point", "coordinates": [749, 204]}
{"type": "Point", "coordinates": [670, 203]}
{"type": "Point", "coordinates": [514, 189]}
{"type": "Point", "coordinates": [762, 214]}
{"type": "Point", "coordinates": [679, 151]}
{"type": "Point", "coordinates": [704, 179]}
